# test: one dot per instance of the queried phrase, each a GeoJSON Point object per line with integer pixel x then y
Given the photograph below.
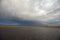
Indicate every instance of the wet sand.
{"type": "Point", "coordinates": [30, 33]}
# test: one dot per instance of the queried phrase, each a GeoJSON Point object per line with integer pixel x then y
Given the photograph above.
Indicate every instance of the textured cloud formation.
{"type": "Point", "coordinates": [46, 12]}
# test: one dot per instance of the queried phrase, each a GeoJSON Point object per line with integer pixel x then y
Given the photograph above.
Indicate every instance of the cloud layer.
{"type": "Point", "coordinates": [46, 12]}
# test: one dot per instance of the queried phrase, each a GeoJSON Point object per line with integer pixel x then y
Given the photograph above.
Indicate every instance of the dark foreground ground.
{"type": "Point", "coordinates": [30, 34]}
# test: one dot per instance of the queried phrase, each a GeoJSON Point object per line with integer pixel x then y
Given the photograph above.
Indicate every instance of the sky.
{"type": "Point", "coordinates": [30, 12]}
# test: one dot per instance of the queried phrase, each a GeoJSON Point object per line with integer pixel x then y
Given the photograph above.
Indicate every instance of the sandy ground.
{"type": "Point", "coordinates": [30, 33]}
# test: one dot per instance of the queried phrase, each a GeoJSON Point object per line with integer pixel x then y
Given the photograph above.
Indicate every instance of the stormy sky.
{"type": "Point", "coordinates": [30, 12]}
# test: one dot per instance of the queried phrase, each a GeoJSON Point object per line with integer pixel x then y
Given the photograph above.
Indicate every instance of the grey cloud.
{"type": "Point", "coordinates": [41, 11]}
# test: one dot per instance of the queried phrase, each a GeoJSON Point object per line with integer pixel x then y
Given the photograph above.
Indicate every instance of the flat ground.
{"type": "Point", "coordinates": [29, 33]}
